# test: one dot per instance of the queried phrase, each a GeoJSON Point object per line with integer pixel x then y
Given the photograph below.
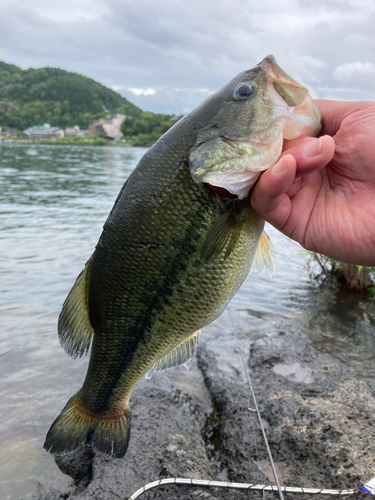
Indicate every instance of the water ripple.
{"type": "Point", "coordinates": [53, 203]}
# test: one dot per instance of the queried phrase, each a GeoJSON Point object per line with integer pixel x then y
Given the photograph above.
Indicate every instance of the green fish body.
{"type": "Point", "coordinates": [172, 254]}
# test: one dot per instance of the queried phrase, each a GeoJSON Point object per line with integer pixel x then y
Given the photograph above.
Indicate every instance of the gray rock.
{"type": "Point", "coordinates": [319, 419]}
{"type": "Point", "coordinates": [56, 495]}
{"type": "Point", "coordinates": [77, 465]}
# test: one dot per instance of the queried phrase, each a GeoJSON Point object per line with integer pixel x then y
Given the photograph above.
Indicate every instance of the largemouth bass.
{"type": "Point", "coordinates": [176, 247]}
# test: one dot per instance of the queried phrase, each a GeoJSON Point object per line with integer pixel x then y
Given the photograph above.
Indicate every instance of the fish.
{"type": "Point", "coordinates": [177, 245]}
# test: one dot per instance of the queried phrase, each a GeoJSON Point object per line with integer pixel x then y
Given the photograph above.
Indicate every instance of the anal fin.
{"type": "Point", "coordinates": [180, 355]}
{"type": "Point", "coordinates": [74, 326]}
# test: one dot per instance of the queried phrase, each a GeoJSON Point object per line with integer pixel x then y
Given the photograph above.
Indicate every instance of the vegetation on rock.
{"type": "Point", "coordinates": [355, 277]}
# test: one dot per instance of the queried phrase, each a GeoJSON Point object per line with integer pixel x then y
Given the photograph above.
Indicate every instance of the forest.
{"type": "Point", "coordinates": [52, 95]}
{"type": "Point", "coordinates": [63, 99]}
{"type": "Point", "coordinates": [146, 128]}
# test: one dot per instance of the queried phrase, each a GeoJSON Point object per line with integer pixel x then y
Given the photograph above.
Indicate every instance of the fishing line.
{"type": "Point", "coordinates": [252, 410]}
{"type": "Point", "coordinates": [258, 413]}
{"type": "Point", "coordinates": [368, 488]}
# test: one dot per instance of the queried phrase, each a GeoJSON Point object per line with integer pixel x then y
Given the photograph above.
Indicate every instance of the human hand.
{"type": "Point", "coordinates": [321, 192]}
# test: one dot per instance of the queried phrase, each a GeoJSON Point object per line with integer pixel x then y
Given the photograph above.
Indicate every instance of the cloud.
{"type": "Point", "coordinates": [200, 44]}
{"type": "Point", "coordinates": [350, 70]}
{"type": "Point", "coordinates": [61, 13]}
{"type": "Point", "coordinates": [167, 100]}
{"type": "Point", "coordinates": [138, 91]}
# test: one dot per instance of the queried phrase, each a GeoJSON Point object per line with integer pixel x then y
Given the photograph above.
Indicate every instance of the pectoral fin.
{"type": "Point", "coordinates": [180, 355]}
{"type": "Point", "coordinates": [265, 255]}
{"type": "Point", "coordinates": [74, 326]}
{"type": "Point", "coordinates": [224, 233]}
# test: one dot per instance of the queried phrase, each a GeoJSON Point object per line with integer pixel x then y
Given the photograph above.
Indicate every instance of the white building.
{"type": "Point", "coordinates": [44, 132]}
{"type": "Point", "coordinates": [72, 131]}
{"type": "Point", "coordinates": [109, 126]}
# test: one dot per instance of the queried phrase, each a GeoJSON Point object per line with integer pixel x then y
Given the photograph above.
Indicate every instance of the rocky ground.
{"type": "Point", "coordinates": [318, 415]}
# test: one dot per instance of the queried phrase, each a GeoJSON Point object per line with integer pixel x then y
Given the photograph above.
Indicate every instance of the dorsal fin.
{"type": "Point", "coordinates": [74, 326]}
{"type": "Point", "coordinates": [265, 255]}
{"type": "Point", "coordinates": [226, 231]}
{"type": "Point", "coordinates": [180, 355]}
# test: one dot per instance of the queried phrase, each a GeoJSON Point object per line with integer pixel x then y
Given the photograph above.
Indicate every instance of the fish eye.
{"type": "Point", "coordinates": [243, 91]}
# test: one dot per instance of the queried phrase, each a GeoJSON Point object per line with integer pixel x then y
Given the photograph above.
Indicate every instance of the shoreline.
{"type": "Point", "coordinates": [75, 143]}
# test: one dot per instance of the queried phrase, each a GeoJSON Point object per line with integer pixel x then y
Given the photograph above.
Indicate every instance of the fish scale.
{"type": "Point", "coordinates": [172, 253]}
{"type": "Point", "coordinates": [177, 305]}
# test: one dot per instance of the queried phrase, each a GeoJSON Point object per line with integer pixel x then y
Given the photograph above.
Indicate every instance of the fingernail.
{"type": "Point", "coordinates": [314, 148]}
{"type": "Point", "coordinates": [280, 166]}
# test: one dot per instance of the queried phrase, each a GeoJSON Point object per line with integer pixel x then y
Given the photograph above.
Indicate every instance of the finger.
{"type": "Point", "coordinates": [269, 196]}
{"type": "Point", "coordinates": [302, 139]}
{"type": "Point", "coordinates": [311, 155]}
{"type": "Point", "coordinates": [294, 188]}
{"type": "Point", "coordinates": [334, 112]}
{"type": "Point", "coordinates": [302, 206]}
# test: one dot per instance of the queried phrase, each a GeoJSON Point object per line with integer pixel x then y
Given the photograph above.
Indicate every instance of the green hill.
{"type": "Point", "coordinates": [52, 95]}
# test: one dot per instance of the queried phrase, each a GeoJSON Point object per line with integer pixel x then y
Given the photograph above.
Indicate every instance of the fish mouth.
{"type": "Point", "coordinates": [296, 114]}
{"type": "Point", "coordinates": [289, 90]}
{"type": "Point", "coordinates": [301, 113]}
{"type": "Point", "coordinates": [233, 160]}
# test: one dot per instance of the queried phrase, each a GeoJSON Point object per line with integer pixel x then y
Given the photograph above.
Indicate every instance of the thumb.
{"type": "Point", "coordinates": [269, 198]}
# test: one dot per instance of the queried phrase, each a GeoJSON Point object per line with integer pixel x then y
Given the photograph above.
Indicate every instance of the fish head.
{"type": "Point", "coordinates": [249, 119]}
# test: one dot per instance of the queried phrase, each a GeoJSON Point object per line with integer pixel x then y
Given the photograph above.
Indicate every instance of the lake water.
{"type": "Point", "coordinates": [53, 203]}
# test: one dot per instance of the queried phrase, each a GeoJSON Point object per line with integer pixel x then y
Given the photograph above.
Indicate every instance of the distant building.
{"type": "Point", "coordinates": [108, 127]}
{"type": "Point", "coordinates": [83, 132]}
{"type": "Point", "coordinates": [44, 132]}
{"type": "Point", "coordinates": [72, 131]}
{"type": "Point", "coordinates": [96, 128]}
{"type": "Point", "coordinates": [4, 134]}
{"type": "Point", "coordinates": [112, 126]}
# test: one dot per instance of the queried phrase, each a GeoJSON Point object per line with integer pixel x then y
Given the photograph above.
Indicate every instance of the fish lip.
{"type": "Point", "coordinates": [291, 92]}
{"type": "Point", "coordinates": [271, 59]}
{"type": "Point", "coordinates": [274, 74]}
{"type": "Point", "coordinates": [294, 97]}
{"type": "Point", "coordinates": [273, 71]}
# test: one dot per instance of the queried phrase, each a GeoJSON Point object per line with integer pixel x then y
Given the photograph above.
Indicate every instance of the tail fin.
{"type": "Point", "coordinates": [73, 428]}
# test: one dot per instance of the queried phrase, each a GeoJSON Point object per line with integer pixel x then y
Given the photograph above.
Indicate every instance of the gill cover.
{"type": "Point", "coordinates": [259, 108]}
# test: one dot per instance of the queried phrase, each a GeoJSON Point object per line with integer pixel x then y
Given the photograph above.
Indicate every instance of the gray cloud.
{"type": "Point", "coordinates": [167, 100]}
{"type": "Point", "coordinates": [200, 44]}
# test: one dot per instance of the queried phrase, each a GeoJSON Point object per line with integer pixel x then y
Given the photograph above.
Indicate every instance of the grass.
{"type": "Point", "coordinates": [351, 276]}
{"type": "Point", "coordinates": [81, 140]}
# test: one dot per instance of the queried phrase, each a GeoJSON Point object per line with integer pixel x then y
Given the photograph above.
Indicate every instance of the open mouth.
{"type": "Point", "coordinates": [222, 191]}
{"type": "Point", "coordinates": [301, 113]}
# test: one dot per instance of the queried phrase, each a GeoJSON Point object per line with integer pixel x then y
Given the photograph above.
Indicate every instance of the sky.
{"type": "Point", "coordinates": [168, 55]}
